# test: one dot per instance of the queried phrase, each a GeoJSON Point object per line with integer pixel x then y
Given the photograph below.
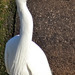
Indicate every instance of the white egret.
{"type": "Point", "coordinates": [22, 55]}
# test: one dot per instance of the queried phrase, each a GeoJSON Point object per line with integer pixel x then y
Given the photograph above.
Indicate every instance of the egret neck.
{"type": "Point", "coordinates": [26, 28]}
{"type": "Point", "coordinates": [26, 22]}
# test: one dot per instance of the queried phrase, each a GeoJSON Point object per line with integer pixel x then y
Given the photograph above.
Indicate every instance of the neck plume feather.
{"type": "Point", "coordinates": [26, 25]}
{"type": "Point", "coordinates": [26, 30]}
{"type": "Point", "coordinates": [26, 21]}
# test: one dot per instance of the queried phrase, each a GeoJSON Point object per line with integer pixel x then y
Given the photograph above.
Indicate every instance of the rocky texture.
{"type": "Point", "coordinates": [54, 32]}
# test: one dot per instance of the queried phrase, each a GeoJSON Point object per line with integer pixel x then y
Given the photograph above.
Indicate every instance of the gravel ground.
{"type": "Point", "coordinates": [54, 32]}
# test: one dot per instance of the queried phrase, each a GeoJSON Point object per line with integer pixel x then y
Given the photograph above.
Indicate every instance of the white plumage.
{"type": "Point", "coordinates": [22, 55]}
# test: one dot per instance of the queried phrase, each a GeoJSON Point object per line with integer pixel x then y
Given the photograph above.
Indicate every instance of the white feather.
{"type": "Point", "coordinates": [22, 55]}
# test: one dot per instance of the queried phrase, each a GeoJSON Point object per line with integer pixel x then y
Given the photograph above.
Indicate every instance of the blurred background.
{"type": "Point", "coordinates": [54, 31]}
